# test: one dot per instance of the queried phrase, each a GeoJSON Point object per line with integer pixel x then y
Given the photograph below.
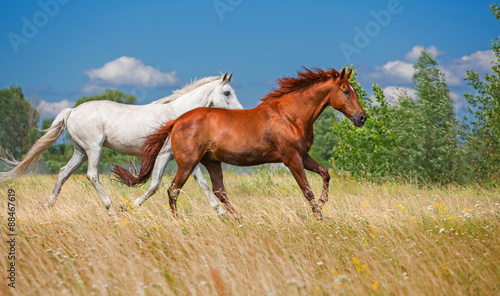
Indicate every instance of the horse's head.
{"type": "Point", "coordinates": [343, 97]}
{"type": "Point", "coordinates": [223, 95]}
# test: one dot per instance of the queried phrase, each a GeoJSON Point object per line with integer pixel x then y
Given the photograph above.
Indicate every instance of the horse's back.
{"type": "Point", "coordinates": [114, 125]}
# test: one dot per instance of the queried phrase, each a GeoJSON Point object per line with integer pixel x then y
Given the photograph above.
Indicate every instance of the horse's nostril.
{"type": "Point", "coordinates": [362, 117]}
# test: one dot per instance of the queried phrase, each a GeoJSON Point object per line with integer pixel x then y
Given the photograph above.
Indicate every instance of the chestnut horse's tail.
{"type": "Point", "coordinates": [151, 148]}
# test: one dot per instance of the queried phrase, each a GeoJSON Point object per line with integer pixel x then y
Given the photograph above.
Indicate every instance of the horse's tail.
{"type": "Point", "coordinates": [151, 148]}
{"type": "Point", "coordinates": [29, 162]}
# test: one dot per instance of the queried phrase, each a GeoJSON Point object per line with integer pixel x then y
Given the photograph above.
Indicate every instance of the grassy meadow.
{"type": "Point", "coordinates": [376, 239]}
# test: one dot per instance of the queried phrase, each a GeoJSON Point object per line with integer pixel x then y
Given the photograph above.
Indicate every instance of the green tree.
{"type": "Point", "coordinates": [324, 139]}
{"type": "Point", "coordinates": [17, 118]}
{"type": "Point", "coordinates": [109, 95]}
{"type": "Point", "coordinates": [483, 139]}
{"type": "Point", "coordinates": [415, 138]}
{"type": "Point", "coordinates": [366, 150]}
{"type": "Point", "coordinates": [432, 131]}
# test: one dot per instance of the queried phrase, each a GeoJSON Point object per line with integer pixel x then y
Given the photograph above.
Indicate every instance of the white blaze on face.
{"type": "Point", "coordinates": [350, 86]}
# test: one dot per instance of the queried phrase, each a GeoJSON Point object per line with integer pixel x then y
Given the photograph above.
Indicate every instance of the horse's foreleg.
{"type": "Point", "coordinates": [94, 157]}
{"type": "Point", "coordinates": [215, 171]}
{"type": "Point", "coordinates": [311, 165]}
{"type": "Point", "coordinates": [160, 164]}
{"type": "Point", "coordinates": [73, 164]}
{"type": "Point", "coordinates": [296, 166]}
{"type": "Point", "coordinates": [198, 176]}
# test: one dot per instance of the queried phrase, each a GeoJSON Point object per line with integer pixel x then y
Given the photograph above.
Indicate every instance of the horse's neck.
{"type": "Point", "coordinates": [189, 101]}
{"type": "Point", "coordinates": [304, 108]}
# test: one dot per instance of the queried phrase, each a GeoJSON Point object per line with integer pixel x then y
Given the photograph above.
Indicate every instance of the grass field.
{"type": "Point", "coordinates": [390, 239]}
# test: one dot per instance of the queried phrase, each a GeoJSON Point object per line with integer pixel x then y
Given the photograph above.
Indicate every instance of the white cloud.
{"type": "Point", "coordinates": [50, 110]}
{"type": "Point", "coordinates": [129, 71]}
{"type": "Point", "coordinates": [401, 71]}
{"type": "Point", "coordinates": [456, 70]}
{"type": "Point", "coordinates": [394, 71]}
{"type": "Point", "coordinates": [416, 51]}
{"type": "Point", "coordinates": [458, 100]}
{"type": "Point", "coordinates": [392, 93]}
{"type": "Point", "coordinates": [399, 68]}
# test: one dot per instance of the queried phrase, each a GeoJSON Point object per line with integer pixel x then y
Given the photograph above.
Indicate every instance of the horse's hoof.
{"type": "Point", "coordinates": [236, 216]}
{"type": "Point", "coordinates": [111, 211]}
{"type": "Point", "coordinates": [46, 205]}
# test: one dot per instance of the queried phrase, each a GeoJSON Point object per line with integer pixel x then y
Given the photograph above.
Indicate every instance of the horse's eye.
{"type": "Point", "coordinates": [346, 92]}
{"type": "Point", "coordinates": [227, 93]}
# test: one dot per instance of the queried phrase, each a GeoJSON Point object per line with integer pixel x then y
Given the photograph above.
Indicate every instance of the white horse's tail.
{"type": "Point", "coordinates": [28, 163]}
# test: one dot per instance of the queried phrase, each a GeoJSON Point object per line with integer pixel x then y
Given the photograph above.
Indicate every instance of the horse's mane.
{"type": "Point", "coordinates": [305, 77]}
{"type": "Point", "coordinates": [186, 88]}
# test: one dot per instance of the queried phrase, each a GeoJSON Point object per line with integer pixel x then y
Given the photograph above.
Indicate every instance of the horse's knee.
{"type": "Point", "coordinates": [324, 173]}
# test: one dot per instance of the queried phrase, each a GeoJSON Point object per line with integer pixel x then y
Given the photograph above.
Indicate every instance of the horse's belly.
{"type": "Point", "coordinates": [248, 157]}
{"type": "Point", "coordinates": [128, 148]}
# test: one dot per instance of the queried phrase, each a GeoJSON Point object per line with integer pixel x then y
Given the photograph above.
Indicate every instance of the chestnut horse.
{"type": "Point", "coordinates": [280, 129]}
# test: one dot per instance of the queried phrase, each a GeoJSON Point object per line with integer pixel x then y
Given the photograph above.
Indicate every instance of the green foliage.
{"type": "Point", "coordinates": [109, 95]}
{"type": "Point", "coordinates": [483, 138]}
{"type": "Point", "coordinates": [324, 139]}
{"type": "Point", "coordinates": [17, 118]}
{"type": "Point", "coordinates": [365, 150]}
{"type": "Point", "coordinates": [417, 138]}
{"type": "Point", "coordinates": [432, 136]}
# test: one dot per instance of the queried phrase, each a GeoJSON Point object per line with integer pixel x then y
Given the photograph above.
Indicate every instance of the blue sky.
{"type": "Point", "coordinates": [57, 49]}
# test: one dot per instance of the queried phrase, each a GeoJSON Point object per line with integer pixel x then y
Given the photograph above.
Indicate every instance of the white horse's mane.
{"type": "Point", "coordinates": [186, 88]}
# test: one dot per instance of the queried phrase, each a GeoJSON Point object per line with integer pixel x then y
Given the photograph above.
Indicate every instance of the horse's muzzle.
{"type": "Point", "coordinates": [359, 119]}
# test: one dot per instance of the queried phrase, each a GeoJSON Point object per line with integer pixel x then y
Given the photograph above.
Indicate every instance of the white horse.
{"type": "Point", "coordinates": [121, 127]}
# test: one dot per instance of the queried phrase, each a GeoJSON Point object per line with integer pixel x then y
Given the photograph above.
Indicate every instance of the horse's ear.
{"type": "Point", "coordinates": [342, 74]}
{"type": "Point", "coordinates": [229, 77]}
{"type": "Point", "coordinates": [348, 74]}
{"type": "Point", "coordinates": [223, 79]}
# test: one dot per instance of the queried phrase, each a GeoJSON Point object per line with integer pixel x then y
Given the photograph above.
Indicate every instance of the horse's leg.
{"type": "Point", "coordinates": [215, 170]}
{"type": "Point", "coordinates": [296, 166]}
{"type": "Point", "coordinates": [161, 162]}
{"type": "Point", "coordinates": [180, 178]}
{"type": "Point", "coordinates": [311, 165]}
{"type": "Point", "coordinates": [94, 157]}
{"type": "Point", "coordinates": [198, 176]}
{"type": "Point", "coordinates": [73, 164]}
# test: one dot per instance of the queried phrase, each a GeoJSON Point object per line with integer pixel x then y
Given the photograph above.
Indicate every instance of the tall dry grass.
{"type": "Point", "coordinates": [391, 239]}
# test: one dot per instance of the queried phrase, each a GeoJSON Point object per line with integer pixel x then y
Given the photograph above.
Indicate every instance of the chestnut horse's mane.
{"type": "Point", "coordinates": [305, 77]}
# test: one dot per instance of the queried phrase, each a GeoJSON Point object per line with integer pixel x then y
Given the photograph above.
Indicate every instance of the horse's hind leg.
{"type": "Point", "coordinates": [198, 176]}
{"type": "Point", "coordinates": [94, 157]}
{"type": "Point", "coordinates": [73, 164]}
{"type": "Point", "coordinates": [179, 180]}
{"type": "Point", "coordinates": [160, 164]}
{"type": "Point", "coordinates": [215, 170]}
